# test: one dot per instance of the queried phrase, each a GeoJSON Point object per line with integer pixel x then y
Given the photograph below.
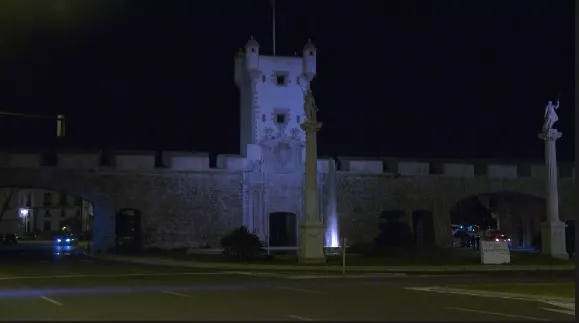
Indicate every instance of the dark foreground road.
{"type": "Point", "coordinates": [45, 286]}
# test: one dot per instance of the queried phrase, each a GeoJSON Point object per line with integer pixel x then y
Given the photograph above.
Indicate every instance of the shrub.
{"type": "Point", "coordinates": [241, 244]}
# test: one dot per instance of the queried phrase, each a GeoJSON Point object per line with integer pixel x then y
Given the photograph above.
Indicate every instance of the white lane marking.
{"type": "Point", "coordinates": [300, 318]}
{"type": "Point", "coordinates": [109, 275]}
{"type": "Point", "coordinates": [347, 276]}
{"type": "Point", "coordinates": [176, 294]}
{"type": "Point", "coordinates": [497, 314]}
{"type": "Point", "coordinates": [520, 297]}
{"type": "Point", "coordinates": [301, 290]}
{"type": "Point", "coordinates": [569, 306]}
{"type": "Point", "coordinates": [257, 274]}
{"type": "Point", "coordinates": [50, 300]}
{"type": "Point", "coordinates": [572, 313]}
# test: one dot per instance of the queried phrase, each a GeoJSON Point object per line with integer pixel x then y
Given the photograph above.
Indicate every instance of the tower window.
{"type": "Point", "coordinates": [263, 79]}
{"type": "Point", "coordinates": [280, 118]}
{"type": "Point", "coordinates": [298, 119]}
{"type": "Point", "coordinates": [311, 53]}
{"type": "Point", "coordinates": [263, 117]}
{"type": "Point", "coordinates": [280, 80]}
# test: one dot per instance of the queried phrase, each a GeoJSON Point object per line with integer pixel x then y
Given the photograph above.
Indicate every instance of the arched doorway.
{"type": "Point", "coordinates": [423, 224]}
{"type": "Point", "coordinates": [515, 215]}
{"type": "Point", "coordinates": [282, 229]}
{"type": "Point", "coordinates": [128, 229]}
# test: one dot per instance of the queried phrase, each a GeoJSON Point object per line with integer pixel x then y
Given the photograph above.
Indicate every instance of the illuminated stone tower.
{"type": "Point", "coordinates": [271, 140]}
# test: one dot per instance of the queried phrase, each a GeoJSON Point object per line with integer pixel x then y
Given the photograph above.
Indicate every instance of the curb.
{"type": "Point", "coordinates": [373, 269]}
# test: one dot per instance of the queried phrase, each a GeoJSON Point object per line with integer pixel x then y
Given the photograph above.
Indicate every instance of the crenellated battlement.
{"type": "Point", "coordinates": [197, 161]}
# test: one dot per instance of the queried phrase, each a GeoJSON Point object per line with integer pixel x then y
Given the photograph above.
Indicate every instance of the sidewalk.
{"type": "Point", "coordinates": [326, 268]}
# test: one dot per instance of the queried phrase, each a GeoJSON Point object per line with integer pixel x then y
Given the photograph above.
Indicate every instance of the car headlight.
{"type": "Point", "coordinates": [497, 240]}
{"type": "Point", "coordinates": [67, 240]}
{"type": "Point", "coordinates": [58, 240]}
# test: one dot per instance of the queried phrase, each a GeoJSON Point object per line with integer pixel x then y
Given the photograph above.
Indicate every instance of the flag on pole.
{"type": "Point", "coordinates": [272, 5]}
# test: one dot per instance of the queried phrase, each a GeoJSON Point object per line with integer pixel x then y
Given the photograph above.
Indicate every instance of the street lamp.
{"type": "Point", "coordinates": [24, 213]}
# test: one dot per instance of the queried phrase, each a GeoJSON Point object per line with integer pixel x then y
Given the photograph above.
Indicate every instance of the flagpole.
{"type": "Point", "coordinates": [273, 25]}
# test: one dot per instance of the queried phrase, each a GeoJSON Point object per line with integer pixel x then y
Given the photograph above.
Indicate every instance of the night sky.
{"type": "Point", "coordinates": [395, 78]}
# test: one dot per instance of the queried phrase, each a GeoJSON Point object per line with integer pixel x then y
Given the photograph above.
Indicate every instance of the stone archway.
{"type": "Point", "coordinates": [516, 215]}
{"type": "Point", "coordinates": [79, 184]}
{"type": "Point", "coordinates": [282, 229]}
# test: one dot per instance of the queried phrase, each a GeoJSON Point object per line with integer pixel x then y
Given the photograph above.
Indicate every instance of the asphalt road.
{"type": "Point", "coordinates": [41, 283]}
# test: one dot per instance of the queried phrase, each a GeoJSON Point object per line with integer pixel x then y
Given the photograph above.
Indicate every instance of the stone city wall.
{"type": "Point", "coordinates": [187, 203]}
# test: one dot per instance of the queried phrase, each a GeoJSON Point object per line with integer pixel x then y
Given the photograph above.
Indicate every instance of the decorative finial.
{"type": "Point", "coordinates": [309, 45]}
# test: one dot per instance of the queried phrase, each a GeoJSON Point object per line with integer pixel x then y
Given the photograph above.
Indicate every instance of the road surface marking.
{"type": "Point", "coordinates": [256, 274]}
{"type": "Point", "coordinates": [300, 318]}
{"type": "Point", "coordinates": [572, 313]}
{"type": "Point", "coordinates": [175, 294]}
{"type": "Point", "coordinates": [568, 308]}
{"type": "Point", "coordinates": [50, 300]}
{"type": "Point", "coordinates": [109, 275]}
{"type": "Point", "coordinates": [346, 276]}
{"type": "Point", "coordinates": [301, 290]}
{"type": "Point", "coordinates": [497, 314]}
{"type": "Point", "coordinates": [441, 290]}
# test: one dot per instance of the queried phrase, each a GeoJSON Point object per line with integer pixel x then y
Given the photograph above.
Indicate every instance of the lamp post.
{"type": "Point", "coordinates": [23, 214]}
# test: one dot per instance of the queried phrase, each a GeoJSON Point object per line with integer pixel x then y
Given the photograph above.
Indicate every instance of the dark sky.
{"type": "Point", "coordinates": [395, 78]}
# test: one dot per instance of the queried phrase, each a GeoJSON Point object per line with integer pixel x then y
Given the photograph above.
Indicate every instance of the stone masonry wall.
{"type": "Point", "coordinates": [361, 199]}
{"type": "Point", "coordinates": [179, 209]}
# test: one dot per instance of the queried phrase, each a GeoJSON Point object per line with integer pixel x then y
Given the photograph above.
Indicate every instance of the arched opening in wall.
{"type": "Point", "coordinates": [423, 225]}
{"type": "Point", "coordinates": [33, 218]}
{"type": "Point", "coordinates": [513, 217]}
{"type": "Point", "coordinates": [128, 227]}
{"type": "Point", "coordinates": [282, 229]}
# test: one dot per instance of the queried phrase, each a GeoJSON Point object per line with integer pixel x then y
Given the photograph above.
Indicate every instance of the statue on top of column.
{"type": "Point", "coordinates": [550, 115]}
{"type": "Point", "coordinates": [310, 106]}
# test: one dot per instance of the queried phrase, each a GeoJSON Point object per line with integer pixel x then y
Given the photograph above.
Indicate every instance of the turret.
{"type": "Point", "coordinates": [309, 60]}
{"type": "Point", "coordinates": [252, 55]}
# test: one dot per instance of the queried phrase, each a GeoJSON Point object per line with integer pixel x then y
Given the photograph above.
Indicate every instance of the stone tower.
{"type": "Point", "coordinates": [271, 140]}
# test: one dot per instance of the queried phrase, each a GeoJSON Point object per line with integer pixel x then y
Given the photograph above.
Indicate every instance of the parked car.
{"type": "Point", "coordinates": [8, 239]}
{"type": "Point", "coordinates": [66, 239]}
{"type": "Point", "coordinates": [501, 237]}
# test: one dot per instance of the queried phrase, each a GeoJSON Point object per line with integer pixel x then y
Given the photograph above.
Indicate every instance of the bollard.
{"type": "Point", "coordinates": [344, 256]}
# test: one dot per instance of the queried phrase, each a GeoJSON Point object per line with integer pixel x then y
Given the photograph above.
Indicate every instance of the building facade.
{"type": "Point", "coordinates": [38, 210]}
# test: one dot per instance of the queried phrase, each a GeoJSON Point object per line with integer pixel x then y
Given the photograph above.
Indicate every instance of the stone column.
{"type": "Point", "coordinates": [553, 230]}
{"type": "Point", "coordinates": [311, 229]}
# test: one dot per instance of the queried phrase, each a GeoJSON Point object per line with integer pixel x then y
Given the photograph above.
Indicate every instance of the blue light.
{"type": "Point", "coordinates": [58, 240]}
{"type": "Point", "coordinates": [67, 240]}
